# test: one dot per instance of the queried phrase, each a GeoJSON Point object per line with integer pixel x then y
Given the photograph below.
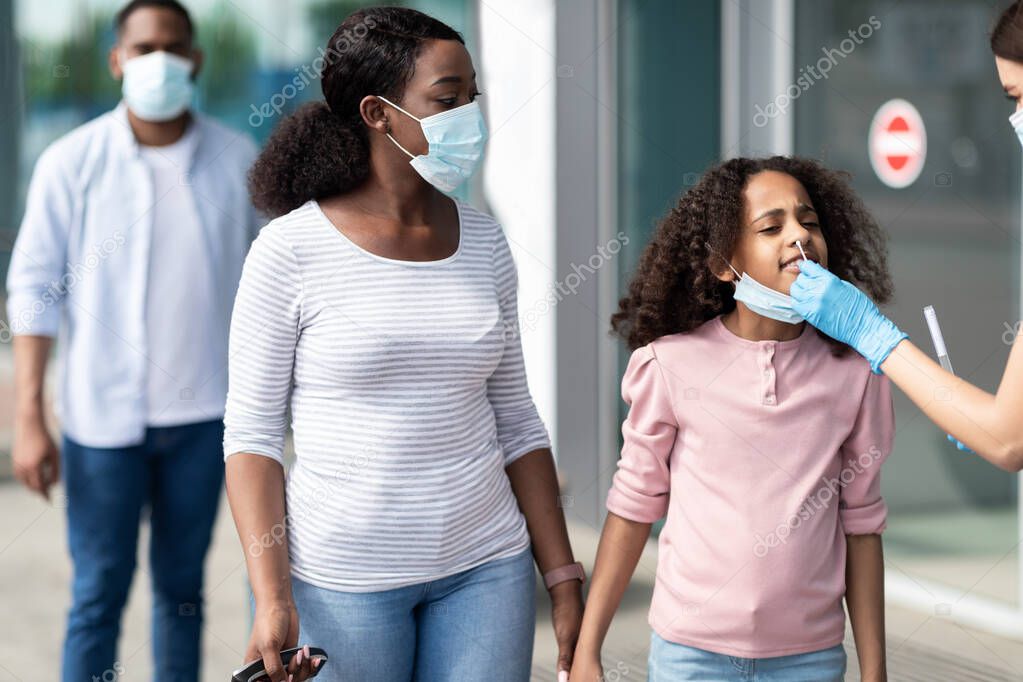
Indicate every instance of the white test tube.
{"type": "Point", "coordinates": [937, 339]}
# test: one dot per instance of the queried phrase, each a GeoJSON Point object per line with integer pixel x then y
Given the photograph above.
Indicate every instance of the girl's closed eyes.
{"type": "Point", "coordinates": [751, 213]}
{"type": "Point", "coordinates": [777, 212]}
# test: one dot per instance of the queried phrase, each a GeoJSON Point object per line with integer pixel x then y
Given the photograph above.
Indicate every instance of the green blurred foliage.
{"type": "Point", "coordinates": [229, 56]}
{"type": "Point", "coordinates": [325, 16]}
{"type": "Point", "coordinates": [74, 71]}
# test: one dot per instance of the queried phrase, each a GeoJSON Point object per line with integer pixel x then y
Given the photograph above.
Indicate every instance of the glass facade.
{"type": "Point", "coordinates": [668, 113]}
{"type": "Point", "coordinates": [668, 119]}
{"type": "Point", "coordinates": [955, 244]}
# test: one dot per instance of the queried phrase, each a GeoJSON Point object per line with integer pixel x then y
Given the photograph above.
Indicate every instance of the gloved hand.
{"type": "Point", "coordinates": [959, 444]}
{"type": "Point", "coordinates": [845, 313]}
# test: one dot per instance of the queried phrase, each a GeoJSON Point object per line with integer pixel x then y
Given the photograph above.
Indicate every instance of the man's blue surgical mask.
{"type": "Point", "coordinates": [157, 86]}
{"type": "Point", "coordinates": [764, 300]}
{"type": "Point", "coordinates": [456, 139]}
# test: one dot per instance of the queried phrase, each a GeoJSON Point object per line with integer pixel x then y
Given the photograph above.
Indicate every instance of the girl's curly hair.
{"type": "Point", "coordinates": [674, 288]}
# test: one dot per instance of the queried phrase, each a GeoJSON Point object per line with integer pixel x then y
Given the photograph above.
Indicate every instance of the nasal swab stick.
{"type": "Point", "coordinates": [937, 338]}
{"type": "Point", "coordinates": [800, 247]}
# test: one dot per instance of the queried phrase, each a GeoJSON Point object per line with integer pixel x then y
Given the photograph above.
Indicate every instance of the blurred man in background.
{"type": "Point", "coordinates": [130, 251]}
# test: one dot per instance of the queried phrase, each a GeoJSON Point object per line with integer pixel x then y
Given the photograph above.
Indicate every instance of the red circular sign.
{"type": "Point", "coordinates": [897, 143]}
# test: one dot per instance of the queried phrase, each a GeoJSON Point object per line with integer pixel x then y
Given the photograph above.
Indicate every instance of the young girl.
{"type": "Point", "coordinates": [759, 439]}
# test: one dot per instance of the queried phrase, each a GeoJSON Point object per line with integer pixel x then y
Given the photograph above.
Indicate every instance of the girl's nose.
{"type": "Point", "coordinates": [796, 232]}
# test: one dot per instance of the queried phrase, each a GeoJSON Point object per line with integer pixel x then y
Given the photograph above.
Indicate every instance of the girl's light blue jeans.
{"type": "Point", "coordinates": [474, 625]}
{"type": "Point", "coordinates": [677, 662]}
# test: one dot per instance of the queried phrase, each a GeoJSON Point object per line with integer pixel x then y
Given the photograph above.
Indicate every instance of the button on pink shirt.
{"type": "Point", "coordinates": [763, 455]}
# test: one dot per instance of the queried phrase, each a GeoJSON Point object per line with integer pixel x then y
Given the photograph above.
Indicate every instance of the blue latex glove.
{"type": "Point", "coordinates": [959, 444]}
{"type": "Point", "coordinates": [845, 313]}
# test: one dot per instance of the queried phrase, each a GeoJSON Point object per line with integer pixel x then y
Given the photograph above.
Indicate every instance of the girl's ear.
{"type": "Point", "coordinates": [725, 275]}
{"type": "Point", "coordinates": [720, 267]}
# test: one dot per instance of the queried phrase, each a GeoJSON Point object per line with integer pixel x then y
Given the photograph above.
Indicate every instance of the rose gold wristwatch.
{"type": "Point", "coordinates": [562, 573]}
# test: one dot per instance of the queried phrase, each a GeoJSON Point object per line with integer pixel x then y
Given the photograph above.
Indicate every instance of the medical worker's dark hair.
{"type": "Point", "coordinates": [323, 148]}
{"type": "Point", "coordinates": [1007, 34]}
{"type": "Point", "coordinates": [674, 288]}
{"type": "Point", "coordinates": [172, 5]}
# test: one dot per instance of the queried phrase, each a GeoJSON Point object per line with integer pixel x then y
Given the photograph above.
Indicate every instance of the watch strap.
{"type": "Point", "coordinates": [562, 573]}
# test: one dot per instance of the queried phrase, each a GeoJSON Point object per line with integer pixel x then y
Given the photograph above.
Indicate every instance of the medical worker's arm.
{"type": "Point", "coordinates": [991, 425]}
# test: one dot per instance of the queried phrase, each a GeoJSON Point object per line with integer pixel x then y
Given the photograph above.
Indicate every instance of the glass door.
{"type": "Point", "coordinates": [668, 120]}
{"type": "Point", "coordinates": [955, 244]}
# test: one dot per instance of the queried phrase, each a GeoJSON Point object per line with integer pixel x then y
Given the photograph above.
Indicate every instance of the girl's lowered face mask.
{"type": "Point", "coordinates": [764, 300]}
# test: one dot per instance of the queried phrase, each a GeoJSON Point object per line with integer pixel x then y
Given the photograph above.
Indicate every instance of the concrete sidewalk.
{"type": "Point", "coordinates": [35, 572]}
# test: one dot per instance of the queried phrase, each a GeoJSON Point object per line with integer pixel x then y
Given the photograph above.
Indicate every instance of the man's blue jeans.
{"type": "Point", "coordinates": [177, 474]}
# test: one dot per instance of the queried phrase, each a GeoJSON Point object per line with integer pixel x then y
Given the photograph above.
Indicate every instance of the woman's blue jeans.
{"type": "Point", "coordinates": [471, 626]}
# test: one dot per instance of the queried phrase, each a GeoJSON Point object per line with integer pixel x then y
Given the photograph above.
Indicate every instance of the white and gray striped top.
{"type": "Point", "coordinates": [408, 398]}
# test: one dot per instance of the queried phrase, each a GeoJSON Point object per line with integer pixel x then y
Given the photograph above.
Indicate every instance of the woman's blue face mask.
{"type": "Point", "coordinates": [456, 139]}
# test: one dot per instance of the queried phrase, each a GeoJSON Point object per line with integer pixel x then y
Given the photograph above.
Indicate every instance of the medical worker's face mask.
{"type": "Point", "coordinates": [1017, 124]}
{"type": "Point", "coordinates": [157, 86]}
{"type": "Point", "coordinates": [764, 300]}
{"type": "Point", "coordinates": [1010, 74]}
{"type": "Point", "coordinates": [456, 138]}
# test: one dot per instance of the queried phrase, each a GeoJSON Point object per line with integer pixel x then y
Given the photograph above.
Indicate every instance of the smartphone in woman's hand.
{"type": "Point", "coordinates": [255, 671]}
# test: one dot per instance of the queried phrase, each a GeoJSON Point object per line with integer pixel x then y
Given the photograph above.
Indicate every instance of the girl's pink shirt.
{"type": "Point", "coordinates": [763, 455]}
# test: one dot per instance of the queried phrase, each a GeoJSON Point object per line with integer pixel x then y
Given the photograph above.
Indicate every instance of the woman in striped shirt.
{"type": "Point", "coordinates": [383, 313]}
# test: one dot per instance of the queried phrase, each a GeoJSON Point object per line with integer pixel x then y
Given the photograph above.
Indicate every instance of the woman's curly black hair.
{"type": "Point", "coordinates": [674, 288]}
{"type": "Point", "coordinates": [323, 148]}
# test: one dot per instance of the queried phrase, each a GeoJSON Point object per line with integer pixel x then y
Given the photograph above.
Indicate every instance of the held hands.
{"type": "Point", "coordinates": [567, 618]}
{"type": "Point", "coordinates": [845, 313]}
{"type": "Point", "coordinates": [586, 669]}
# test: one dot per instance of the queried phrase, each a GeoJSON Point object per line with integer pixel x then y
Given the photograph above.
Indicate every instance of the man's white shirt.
{"type": "Point", "coordinates": [131, 257]}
